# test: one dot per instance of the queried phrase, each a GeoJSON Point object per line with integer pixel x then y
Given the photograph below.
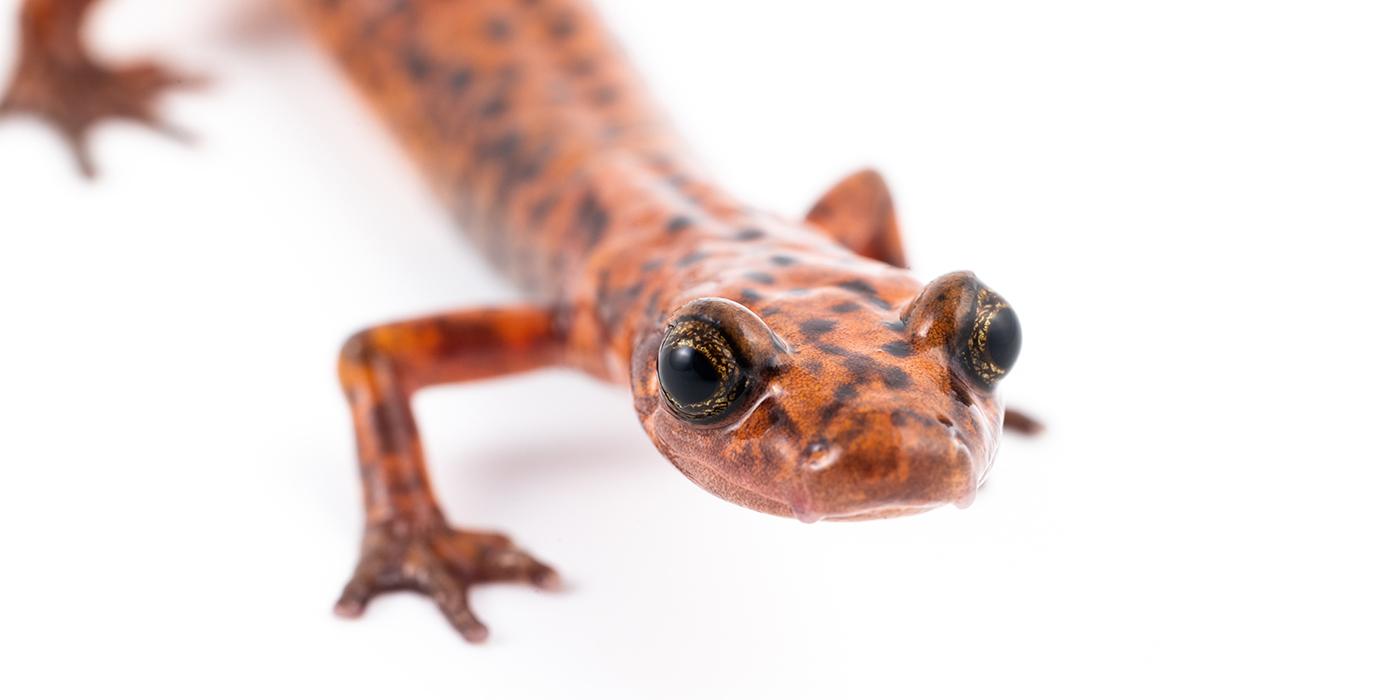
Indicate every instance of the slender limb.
{"type": "Point", "coordinates": [408, 542]}
{"type": "Point", "coordinates": [1018, 422]}
{"type": "Point", "coordinates": [58, 80]}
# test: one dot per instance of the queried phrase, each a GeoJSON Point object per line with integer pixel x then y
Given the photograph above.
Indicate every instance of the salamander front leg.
{"type": "Point", "coordinates": [58, 80]}
{"type": "Point", "coordinates": [408, 543]}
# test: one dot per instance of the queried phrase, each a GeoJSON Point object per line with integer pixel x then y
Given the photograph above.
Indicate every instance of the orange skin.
{"type": "Point", "coordinates": [858, 397]}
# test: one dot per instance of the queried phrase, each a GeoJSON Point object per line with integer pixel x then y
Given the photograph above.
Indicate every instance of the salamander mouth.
{"type": "Point", "coordinates": [881, 513]}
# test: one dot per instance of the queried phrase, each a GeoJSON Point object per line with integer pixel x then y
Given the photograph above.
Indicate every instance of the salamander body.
{"type": "Point", "coordinates": [796, 367]}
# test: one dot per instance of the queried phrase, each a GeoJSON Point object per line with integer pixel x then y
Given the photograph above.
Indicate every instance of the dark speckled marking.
{"type": "Point", "coordinates": [494, 107]}
{"type": "Point", "coordinates": [898, 348]}
{"type": "Point", "coordinates": [652, 265]}
{"type": "Point", "coordinates": [498, 29]}
{"type": "Point", "coordinates": [864, 289]}
{"type": "Point", "coordinates": [834, 350]}
{"type": "Point", "coordinates": [896, 325]}
{"type": "Point", "coordinates": [541, 209]}
{"type": "Point", "coordinates": [749, 234]}
{"type": "Point", "coordinates": [842, 397]}
{"type": "Point", "coordinates": [815, 327]}
{"type": "Point", "coordinates": [860, 365]}
{"type": "Point", "coordinates": [778, 418]}
{"type": "Point", "coordinates": [461, 80]}
{"type": "Point", "coordinates": [677, 224]}
{"type": "Point", "coordinates": [692, 258]}
{"type": "Point", "coordinates": [750, 296]}
{"type": "Point", "coordinates": [783, 260]}
{"type": "Point", "coordinates": [416, 64]}
{"type": "Point", "coordinates": [562, 27]}
{"type": "Point", "coordinates": [894, 377]}
{"type": "Point", "coordinates": [583, 68]}
{"type": "Point", "coordinates": [592, 220]}
{"type": "Point", "coordinates": [760, 277]}
{"type": "Point", "coordinates": [846, 307]}
{"type": "Point", "coordinates": [605, 96]}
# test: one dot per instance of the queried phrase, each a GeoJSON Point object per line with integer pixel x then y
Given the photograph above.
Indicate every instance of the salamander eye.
{"type": "Point", "coordinates": [701, 376]}
{"type": "Point", "coordinates": [994, 339]}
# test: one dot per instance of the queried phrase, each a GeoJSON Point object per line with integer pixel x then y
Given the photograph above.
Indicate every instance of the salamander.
{"type": "Point", "coordinates": [795, 367]}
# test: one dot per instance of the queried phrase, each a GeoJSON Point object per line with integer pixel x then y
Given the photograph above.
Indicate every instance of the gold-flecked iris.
{"type": "Point", "coordinates": [994, 339]}
{"type": "Point", "coordinates": [700, 374]}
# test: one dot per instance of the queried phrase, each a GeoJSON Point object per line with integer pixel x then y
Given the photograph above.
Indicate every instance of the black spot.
{"type": "Point", "coordinates": [498, 29]}
{"type": "Point", "coordinates": [416, 64]}
{"type": "Point", "coordinates": [583, 67]}
{"type": "Point", "coordinates": [815, 327]}
{"type": "Point", "coordinates": [677, 224]}
{"type": "Point", "coordinates": [779, 418]}
{"type": "Point", "coordinates": [841, 398]}
{"type": "Point", "coordinates": [592, 220]}
{"type": "Point", "coordinates": [562, 27]}
{"type": "Point", "coordinates": [605, 96]}
{"type": "Point", "coordinates": [494, 107]}
{"type": "Point", "coordinates": [629, 293]}
{"type": "Point", "coordinates": [783, 260]}
{"type": "Point", "coordinates": [653, 264]}
{"type": "Point", "coordinates": [864, 289]}
{"type": "Point", "coordinates": [846, 307]}
{"type": "Point", "coordinates": [861, 366]}
{"type": "Point", "coordinates": [771, 312]}
{"type": "Point", "coordinates": [895, 325]}
{"type": "Point", "coordinates": [653, 305]}
{"type": "Point", "coordinates": [898, 348]}
{"type": "Point", "coordinates": [461, 80]}
{"type": "Point", "coordinates": [760, 277]}
{"type": "Point", "coordinates": [692, 258]}
{"type": "Point", "coordinates": [750, 296]}
{"type": "Point", "coordinates": [834, 350]}
{"type": "Point", "coordinates": [895, 378]}
{"type": "Point", "coordinates": [749, 234]}
{"type": "Point", "coordinates": [540, 210]}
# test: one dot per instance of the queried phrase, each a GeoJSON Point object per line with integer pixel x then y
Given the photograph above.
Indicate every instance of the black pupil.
{"type": "Point", "coordinates": [687, 375]}
{"type": "Point", "coordinates": [1004, 338]}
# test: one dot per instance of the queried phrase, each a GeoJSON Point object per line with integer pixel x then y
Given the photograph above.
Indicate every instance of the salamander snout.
{"type": "Point", "coordinates": [887, 463]}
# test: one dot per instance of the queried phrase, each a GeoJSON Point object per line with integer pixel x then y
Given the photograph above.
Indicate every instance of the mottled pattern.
{"type": "Point", "coordinates": [862, 392]}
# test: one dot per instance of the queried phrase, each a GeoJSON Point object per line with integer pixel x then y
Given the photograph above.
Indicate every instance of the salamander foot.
{"type": "Point", "coordinates": [441, 563]}
{"type": "Point", "coordinates": [58, 81]}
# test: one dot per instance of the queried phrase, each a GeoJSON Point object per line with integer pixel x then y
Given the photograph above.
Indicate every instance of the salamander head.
{"type": "Point", "coordinates": [850, 401]}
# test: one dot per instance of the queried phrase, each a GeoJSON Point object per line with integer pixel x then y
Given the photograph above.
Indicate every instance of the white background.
{"type": "Point", "coordinates": [1192, 204]}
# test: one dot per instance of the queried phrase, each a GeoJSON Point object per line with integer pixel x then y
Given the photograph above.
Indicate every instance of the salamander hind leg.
{"type": "Point", "coordinates": [59, 81]}
{"type": "Point", "coordinates": [858, 212]}
{"type": "Point", "coordinates": [1021, 422]}
{"type": "Point", "coordinates": [408, 543]}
